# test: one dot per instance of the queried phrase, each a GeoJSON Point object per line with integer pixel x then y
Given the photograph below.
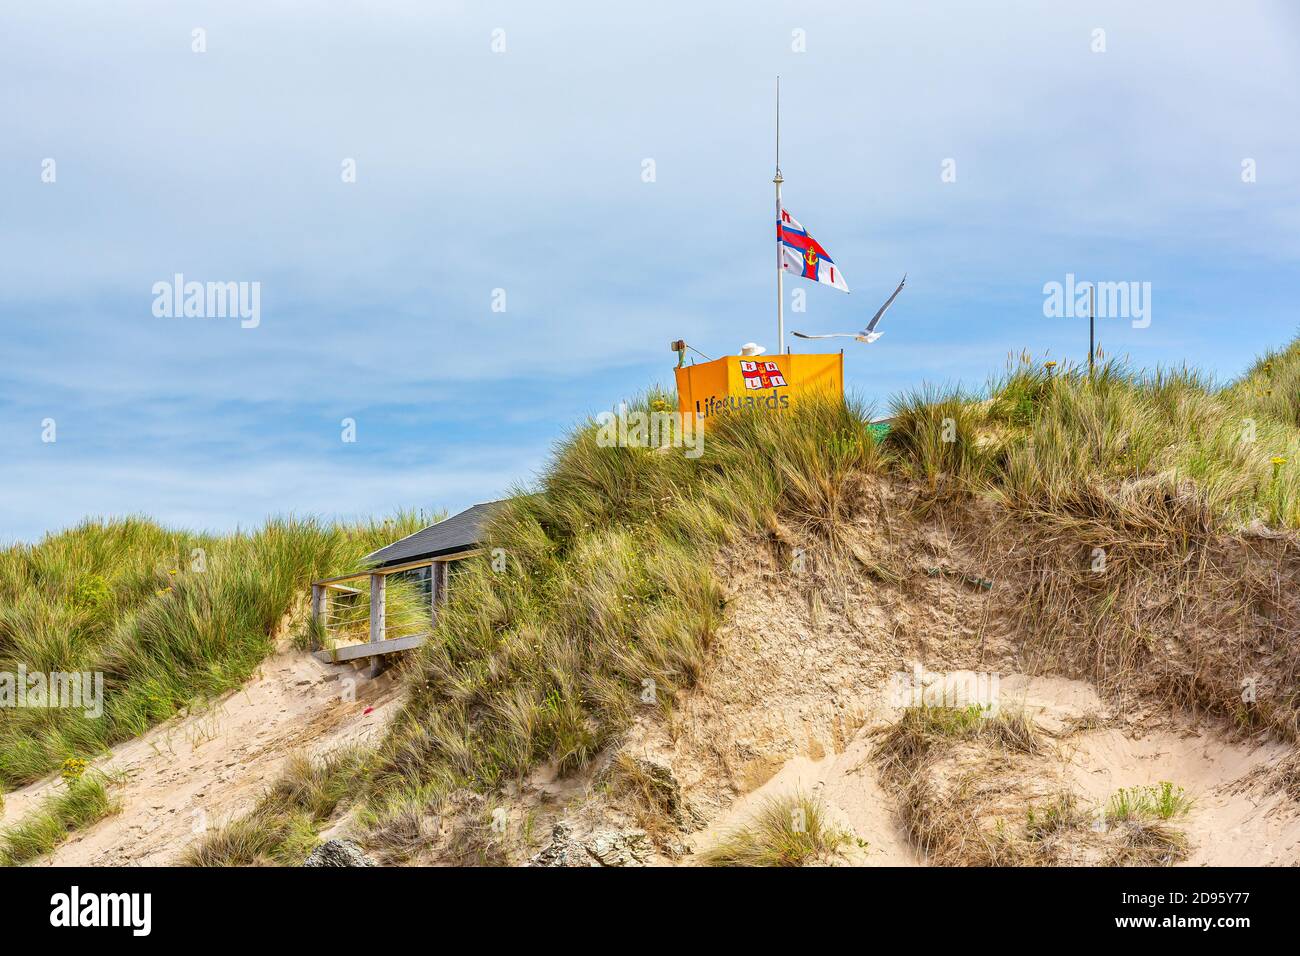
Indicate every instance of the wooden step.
{"type": "Point", "coordinates": [352, 652]}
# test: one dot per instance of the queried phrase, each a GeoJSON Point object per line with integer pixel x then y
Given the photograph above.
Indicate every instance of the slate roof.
{"type": "Point", "coordinates": [460, 532]}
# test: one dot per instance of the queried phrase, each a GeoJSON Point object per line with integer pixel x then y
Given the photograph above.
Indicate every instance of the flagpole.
{"type": "Point", "coordinates": [780, 272]}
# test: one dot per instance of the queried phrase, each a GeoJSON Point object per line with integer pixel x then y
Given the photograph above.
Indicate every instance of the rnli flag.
{"type": "Point", "coordinates": [804, 255]}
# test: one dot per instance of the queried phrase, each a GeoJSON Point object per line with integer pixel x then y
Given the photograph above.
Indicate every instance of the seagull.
{"type": "Point", "coordinates": [869, 334]}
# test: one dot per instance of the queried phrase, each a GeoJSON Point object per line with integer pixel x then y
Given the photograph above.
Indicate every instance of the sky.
{"type": "Point", "coordinates": [391, 175]}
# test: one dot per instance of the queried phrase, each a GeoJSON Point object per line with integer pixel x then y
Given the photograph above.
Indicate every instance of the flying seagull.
{"type": "Point", "coordinates": [869, 334]}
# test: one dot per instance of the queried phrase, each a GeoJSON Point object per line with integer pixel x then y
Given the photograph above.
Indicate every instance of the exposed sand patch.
{"type": "Point", "coordinates": [849, 788]}
{"type": "Point", "coordinates": [210, 766]}
{"type": "Point", "coordinates": [1233, 821]}
{"type": "Point", "coordinates": [1229, 824]}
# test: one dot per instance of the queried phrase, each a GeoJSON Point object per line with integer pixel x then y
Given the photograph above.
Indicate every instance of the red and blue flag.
{"type": "Point", "coordinates": [804, 255]}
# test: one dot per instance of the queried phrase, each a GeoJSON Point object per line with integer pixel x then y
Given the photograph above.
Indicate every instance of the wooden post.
{"type": "Point", "coordinates": [377, 588]}
{"type": "Point", "coordinates": [435, 591]}
{"type": "Point", "coordinates": [319, 597]}
{"type": "Point", "coordinates": [378, 584]}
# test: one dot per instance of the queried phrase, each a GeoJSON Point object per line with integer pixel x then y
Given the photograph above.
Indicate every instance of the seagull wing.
{"type": "Point", "coordinates": [831, 335]}
{"type": "Point", "coordinates": [875, 319]}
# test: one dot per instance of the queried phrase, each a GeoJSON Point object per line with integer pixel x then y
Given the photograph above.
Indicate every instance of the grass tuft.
{"type": "Point", "coordinates": [1161, 802]}
{"type": "Point", "coordinates": [80, 803]}
{"type": "Point", "coordinates": [910, 739]}
{"type": "Point", "coordinates": [786, 831]}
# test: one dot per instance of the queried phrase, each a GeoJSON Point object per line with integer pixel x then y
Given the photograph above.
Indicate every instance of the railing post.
{"type": "Point", "coordinates": [319, 595]}
{"type": "Point", "coordinates": [435, 591]}
{"type": "Point", "coordinates": [377, 588]}
{"type": "Point", "coordinates": [378, 584]}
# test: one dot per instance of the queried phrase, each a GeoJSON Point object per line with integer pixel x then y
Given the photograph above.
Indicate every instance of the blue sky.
{"type": "Point", "coordinates": [522, 170]}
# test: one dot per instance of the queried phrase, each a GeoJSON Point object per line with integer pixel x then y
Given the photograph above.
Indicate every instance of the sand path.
{"type": "Point", "coordinates": [199, 770]}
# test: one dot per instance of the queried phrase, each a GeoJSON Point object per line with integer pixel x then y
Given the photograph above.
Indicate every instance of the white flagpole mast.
{"type": "Point", "coordinates": [780, 272]}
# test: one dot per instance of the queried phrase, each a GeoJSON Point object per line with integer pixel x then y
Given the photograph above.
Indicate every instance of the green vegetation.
{"type": "Point", "coordinates": [1053, 441]}
{"type": "Point", "coordinates": [961, 779]}
{"type": "Point", "coordinates": [1139, 818]}
{"type": "Point", "coordinates": [1162, 802]}
{"type": "Point", "coordinates": [1271, 387]}
{"type": "Point", "coordinates": [83, 801]}
{"type": "Point", "coordinates": [609, 582]}
{"type": "Point", "coordinates": [1132, 829]}
{"type": "Point", "coordinates": [168, 617]}
{"type": "Point", "coordinates": [786, 831]}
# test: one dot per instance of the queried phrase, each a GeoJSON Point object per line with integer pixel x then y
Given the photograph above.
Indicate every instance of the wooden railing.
{"type": "Point", "coordinates": [378, 580]}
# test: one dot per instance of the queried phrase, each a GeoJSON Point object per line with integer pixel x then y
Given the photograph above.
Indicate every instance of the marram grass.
{"type": "Point", "coordinates": [167, 617]}
{"type": "Point", "coordinates": [786, 831]}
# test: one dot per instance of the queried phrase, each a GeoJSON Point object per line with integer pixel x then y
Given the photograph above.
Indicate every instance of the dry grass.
{"type": "Point", "coordinates": [982, 792]}
{"type": "Point", "coordinates": [909, 740]}
{"type": "Point", "coordinates": [610, 589]}
{"type": "Point", "coordinates": [1042, 442]}
{"type": "Point", "coordinates": [956, 771]}
{"type": "Point", "coordinates": [460, 828]}
{"type": "Point", "coordinates": [653, 794]}
{"type": "Point", "coordinates": [1161, 802]}
{"type": "Point", "coordinates": [261, 838]}
{"type": "Point", "coordinates": [1138, 819]}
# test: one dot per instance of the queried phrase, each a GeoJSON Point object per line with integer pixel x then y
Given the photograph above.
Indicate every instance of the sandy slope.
{"type": "Point", "coordinates": [797, 686]}
{"type": "Point", "coordinates": [1230, 823]}
{"type": "Point", "coordinates": [202, 769]}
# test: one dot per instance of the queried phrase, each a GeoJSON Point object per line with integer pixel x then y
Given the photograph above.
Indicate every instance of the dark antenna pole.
{"type": "Point", "coordinates": [1092, 334]}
